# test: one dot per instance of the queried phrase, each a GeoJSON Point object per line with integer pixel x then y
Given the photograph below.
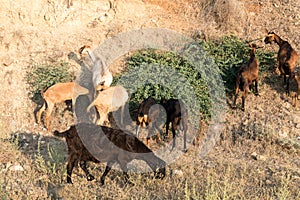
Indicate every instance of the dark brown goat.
{"type": "Point", "coordinates": [176, 114]}
{"type": "Point", "coordinates": [247, 74]}
{"type": "Point", "coordinates": [107, 145]}
{"type": "Point", "coordinates": [287, 57]}
{"type": "Point", "coordinates": [147, 115]}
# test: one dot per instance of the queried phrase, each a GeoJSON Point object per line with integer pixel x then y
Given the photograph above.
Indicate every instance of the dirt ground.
{"type": "Point", "coordinates": [258, 147]}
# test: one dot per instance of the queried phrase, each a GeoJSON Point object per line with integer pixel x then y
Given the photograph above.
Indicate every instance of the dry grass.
{"type": "Point", "coordinates": [230, 171]}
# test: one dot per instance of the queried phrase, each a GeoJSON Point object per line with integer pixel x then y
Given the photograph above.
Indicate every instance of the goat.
{"type": "Point", "coordinates": [102, 77]}
{"type": "Point", "coordinates": [247, 74]}
{"type": "Point", "coordinates": [107, 145]}
{"type": "Point", "coordinates": [287, 57]}
{"type": "Point", "coordinates": [109, 100]}
{"type": "Point", "coordinates": [176, 114]}
{"type": "Point", "coordinates": [148, 113]}
{"type": "Point", "coordinates": [57, 93]}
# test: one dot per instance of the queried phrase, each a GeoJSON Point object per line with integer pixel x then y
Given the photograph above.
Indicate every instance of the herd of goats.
{"type": "Point", "coordinates": [121, 146]}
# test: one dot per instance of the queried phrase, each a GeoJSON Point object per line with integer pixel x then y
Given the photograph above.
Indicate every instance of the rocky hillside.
{"type": "Point", "coordinates": [46, 31]}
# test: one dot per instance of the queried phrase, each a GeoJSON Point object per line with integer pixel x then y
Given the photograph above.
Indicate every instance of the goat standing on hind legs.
{"type": "Point", "coordinates": [247, 74]}
{"type": "Point", "coordinates": [287, 58]}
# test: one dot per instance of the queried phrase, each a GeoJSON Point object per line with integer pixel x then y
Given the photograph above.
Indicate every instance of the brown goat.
{"type": "Point", "coordinates": [178, 116]}
{"type": "Point", "coordinates": [148, 113]}
{"type": "Point", "coordinates": [107, 145]}
{"type": "Point", "coordinates": [57, 93]}
{"type": "Point", "coordinates": [287, 57]}
{"type": "Point", "coordinates": [247, 74]}
{"type": "Point", "coordinates": [109, 100]}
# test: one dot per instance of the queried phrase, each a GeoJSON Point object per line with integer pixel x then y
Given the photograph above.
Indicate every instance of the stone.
{"type": "Point", "coordinates": [16, 167]}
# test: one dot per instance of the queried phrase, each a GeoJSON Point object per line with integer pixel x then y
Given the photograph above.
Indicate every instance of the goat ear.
{"type": "Point", "coordinates": [266, 31]}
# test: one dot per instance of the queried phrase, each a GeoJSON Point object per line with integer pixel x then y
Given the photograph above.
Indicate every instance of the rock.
{"type": "Point", "coordinates": [257, 157]}
{"type": "Point", "coordinates": [282, 134]}
{"type": "Point", "coordinates": [254, 155]}
{"type": "Point", "coordinates": [7, 61]}
{"type": "Point", "coordinates": [261, 158]}
{"type": "Point", "coordinates": [17, 167]}
{"type": "Point", "coordinates": [296, 119]}
{"type": "Point", "coordinates": [177, 172]}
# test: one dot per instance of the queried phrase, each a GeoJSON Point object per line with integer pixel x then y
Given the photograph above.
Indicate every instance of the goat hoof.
{"type": "Point", "coordinates": [256, 94]}
{"type": "Point", "coordinates": [90, 177]}
{"type": "Point", "coordinates": [184, 150]}
{"type": "Point", "coordinates": [102, 181]}
{"type": "Point", "coordinates": [69, 181]}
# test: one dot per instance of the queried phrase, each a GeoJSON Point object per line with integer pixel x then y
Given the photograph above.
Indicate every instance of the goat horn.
{"type": "Point", "coordinates": [266, 31]}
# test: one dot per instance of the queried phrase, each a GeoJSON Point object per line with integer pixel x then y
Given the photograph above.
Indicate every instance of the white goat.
{"type": "Point", "coordinates": [102, 77]}
{"type": "Point", "coordinates": [109, 100]}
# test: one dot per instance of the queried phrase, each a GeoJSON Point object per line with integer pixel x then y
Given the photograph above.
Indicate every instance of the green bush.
{"type": "Point", "coordinates": [43, 76]}
{"type": "Point", "coordinates": [229, 53]}
{"type": "Point", "coordinates": [162, 74]}
{"type": "Point", "coordinates": [196, 69]}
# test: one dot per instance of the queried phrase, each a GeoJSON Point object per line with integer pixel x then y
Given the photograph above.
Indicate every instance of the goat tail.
{"type": "Point", "coordinates": [43, 91]}
{"type": "Point", "coordinates": [90, 106]}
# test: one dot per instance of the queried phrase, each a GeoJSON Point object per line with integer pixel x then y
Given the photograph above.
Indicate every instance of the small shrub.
{"type": "Point", "coordinates": [229, 53]}
{"type": "Point", "coordinates": [53, 164]}
{"type": "Point", "coordinates": [161, 74]}
{"type": "Point", "coordinates": [43, 76]}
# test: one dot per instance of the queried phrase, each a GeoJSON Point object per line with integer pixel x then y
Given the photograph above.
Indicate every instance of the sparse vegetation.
{"type": "Point", "coordinates": [41, 76]}
{"type": "Point", "coordinates": [257, 155]}
{"type": "Point", "coordinates": [229, 52]}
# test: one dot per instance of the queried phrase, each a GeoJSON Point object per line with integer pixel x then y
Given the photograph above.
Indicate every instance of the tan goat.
{"type": "Point", "coordinates": [58, 93]}
{"type": "Point", "coordinates": [109, 100]}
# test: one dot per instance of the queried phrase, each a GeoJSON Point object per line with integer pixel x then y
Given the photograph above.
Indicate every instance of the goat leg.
{"type": "Point", "coordinates": [89, 176]}
{"type": "Point", "coordinates": [288, 85]}
{"type": "Point", "coordinates": [246, 90]}
{"type": "Point", "coordinates": [70, 166]}
{"type": "Point", "coordinates": [184, 140]}
{"type": "Point", "coordinates": [234, 101]}
{"type": "Point", "coordinates": [107, 169]}
{"type": "Point", "coordinates": [125, 174]}
{"type": "Point", "coordinates": [167, 126]}
{"type": "Point", "coordinates": [137, 130]}
{"type": "Point", "coordinates": [256, 87]}
{"type": "Point", "coordinates": [173, 135]}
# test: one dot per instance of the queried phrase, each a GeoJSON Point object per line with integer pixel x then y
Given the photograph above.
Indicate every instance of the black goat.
{"type": "Point", "coordinates": [107, 145]}
{"type": "Point", "coordinates": [287, 57]}
{"type": "Point", "coordinates": [147, 115]}
{"type": "Point", "coordinates": [176, 114]}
